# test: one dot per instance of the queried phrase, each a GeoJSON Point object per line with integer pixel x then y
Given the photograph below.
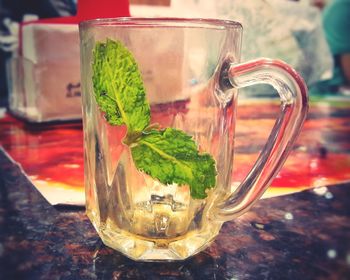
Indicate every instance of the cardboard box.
{"type": "Point", "coordinates": [45, 79]}
{"type": "Point", "coordinates": [44, 76]}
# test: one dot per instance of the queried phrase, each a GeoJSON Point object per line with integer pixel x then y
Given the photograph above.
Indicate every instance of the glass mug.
{"type": "Point", "coordinates": [190, 71]}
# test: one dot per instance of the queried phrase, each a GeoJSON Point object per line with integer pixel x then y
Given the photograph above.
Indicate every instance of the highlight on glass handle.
{"type": "Point", "coordinates": [293, 110]}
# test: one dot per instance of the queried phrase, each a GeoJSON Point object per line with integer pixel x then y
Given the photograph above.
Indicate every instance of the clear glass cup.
{"type": "Point", "coordinates": [191, 71]}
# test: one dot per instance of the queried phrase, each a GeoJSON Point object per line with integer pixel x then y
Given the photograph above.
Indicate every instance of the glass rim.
{"type": "Point", "coordinates": [161, 22]}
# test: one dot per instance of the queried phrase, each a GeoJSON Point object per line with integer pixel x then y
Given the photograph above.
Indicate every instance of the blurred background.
{"type": "Point", "coordinates": [297, 237]}
{"type": "Point", "coordinates": [311, 35]}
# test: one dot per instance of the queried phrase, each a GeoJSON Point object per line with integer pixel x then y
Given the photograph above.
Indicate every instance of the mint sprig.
{"type": "Point", "coordinates": [168, 155]}
{"type": "Point", "coordinates": [171, 156]}
{"type": "Point", "coordinates": [118, 86]}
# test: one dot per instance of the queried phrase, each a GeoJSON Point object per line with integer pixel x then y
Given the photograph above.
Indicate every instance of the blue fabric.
{"type": "Point", "coordinates": [336, 23]}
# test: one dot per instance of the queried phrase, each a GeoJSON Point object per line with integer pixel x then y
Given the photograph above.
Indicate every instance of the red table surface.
{"type": "Point", "coordinates": [52, 155]}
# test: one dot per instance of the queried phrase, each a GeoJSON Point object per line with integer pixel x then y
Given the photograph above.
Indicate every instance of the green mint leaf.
{"type": "Point", "coordinates": [118, 86]}
{"type": "Point", "coordinates": [171, 156]}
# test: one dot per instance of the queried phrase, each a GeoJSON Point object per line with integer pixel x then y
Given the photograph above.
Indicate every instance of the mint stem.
{"type": "Point", "coordinates": [132, 138]}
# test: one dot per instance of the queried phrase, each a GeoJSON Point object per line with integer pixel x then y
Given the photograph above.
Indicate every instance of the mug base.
{"type": "Point", "coordinates": [139, 248]}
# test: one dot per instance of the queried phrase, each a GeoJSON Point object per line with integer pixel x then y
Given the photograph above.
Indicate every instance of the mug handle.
{"type": "Point", "coordinates": [294, 106]}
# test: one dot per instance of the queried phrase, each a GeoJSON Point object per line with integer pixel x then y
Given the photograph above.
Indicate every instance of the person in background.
{"type": "Point", "coordinates": [12, 12]}
{"type": "Point", "coordinates": [42, 8]}
{"type": "Point", "coordinates": [336, 24]}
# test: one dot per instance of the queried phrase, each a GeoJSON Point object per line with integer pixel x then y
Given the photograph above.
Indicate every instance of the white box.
{"type": "Point", "coordinates": [44, 78]}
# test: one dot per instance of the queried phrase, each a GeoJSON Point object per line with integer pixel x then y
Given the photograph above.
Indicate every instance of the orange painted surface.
{"type": "Point", "coordinates": [45, 152]}
{"type": "Point", "coordinates": [52, 155]}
